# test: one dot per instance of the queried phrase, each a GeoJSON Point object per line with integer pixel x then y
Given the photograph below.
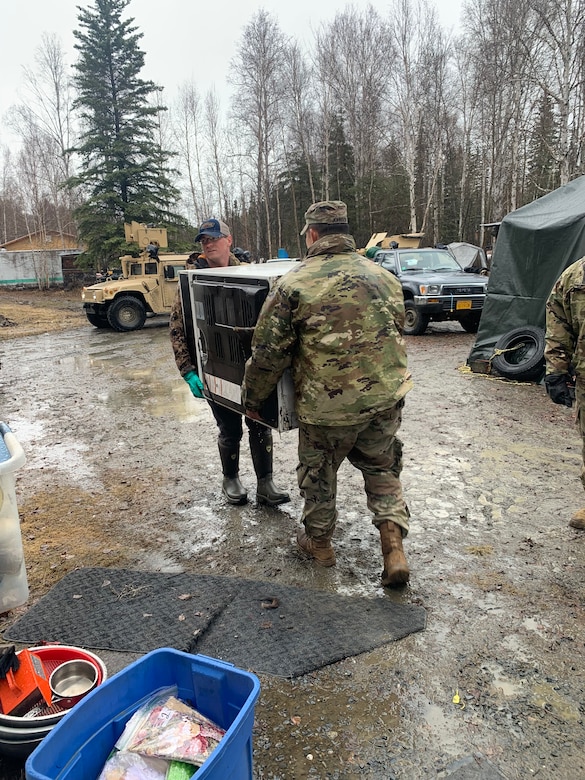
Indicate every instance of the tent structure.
{"type": "Point", "coordinates": [534, 246]}
{"type": "Point", "coordinates": [468, 255]}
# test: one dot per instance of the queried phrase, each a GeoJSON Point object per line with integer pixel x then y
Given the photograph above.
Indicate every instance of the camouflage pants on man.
{"type": "Point", "coordinates": [374, 448]}
{"type": "Point", "coordinates": [580, 420]}
{"type": "Point", "coordinates": [578, 518]}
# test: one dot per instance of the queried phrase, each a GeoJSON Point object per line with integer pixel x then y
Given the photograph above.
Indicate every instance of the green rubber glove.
{"type": "Point", "coordinates": [194, 383]}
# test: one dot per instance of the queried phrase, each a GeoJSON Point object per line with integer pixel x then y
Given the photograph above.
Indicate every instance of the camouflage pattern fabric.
{"type": "Point", "coordinates": [565, 322]}
{"type": "Point", "coordinates": [373, 448]}
{"type": "Point", "coordinates": [565, 336]}
{"type": "Point", "coordinates": [326, 212]}
{"type": "Point", "coordinates": [177, 326]}
{"type": "Point", "coordinates": [336, 319]}
{"type": "Point", "coordinates": [580, 420]}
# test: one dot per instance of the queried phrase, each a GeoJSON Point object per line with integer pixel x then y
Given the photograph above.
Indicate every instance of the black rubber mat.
{"type": "Point", "coordinates": [269, 628]}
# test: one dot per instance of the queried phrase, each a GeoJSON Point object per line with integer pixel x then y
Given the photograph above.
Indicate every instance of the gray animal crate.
{"type": "Point", "coordinates": [220, 309]}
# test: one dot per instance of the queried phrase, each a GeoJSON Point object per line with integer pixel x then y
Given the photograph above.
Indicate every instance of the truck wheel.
{"type": "Point", "coordinates": [470, 323]}
{"type": "Point", "coordinates": [521, 354]}
{"type": "Point", "coordinates": [97, 320]}
{"type": "Point", "coordinates": [126, 313]}
{"type": "Point", "coordinates": [415, 323]}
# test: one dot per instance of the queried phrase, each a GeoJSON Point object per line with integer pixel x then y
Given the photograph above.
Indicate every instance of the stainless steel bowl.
{"type": "Point", "coordinates": [73, 679]}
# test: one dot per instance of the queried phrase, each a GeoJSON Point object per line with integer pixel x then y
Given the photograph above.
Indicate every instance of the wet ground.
{"type": "Point", "coordinates": [122, 470]}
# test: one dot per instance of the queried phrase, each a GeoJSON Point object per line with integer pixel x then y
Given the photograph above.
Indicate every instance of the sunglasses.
{"type": "Point", "coordinates": [209, 240]}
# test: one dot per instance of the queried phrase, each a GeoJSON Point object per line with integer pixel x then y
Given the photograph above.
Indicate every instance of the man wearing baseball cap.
{"type": "Point", "coordinates": [216, 240]}
{"type": "Point", "coordinates": [336, 320]}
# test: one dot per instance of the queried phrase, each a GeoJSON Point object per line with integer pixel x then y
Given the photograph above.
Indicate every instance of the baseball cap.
{"type": "Point", "coordinates": [326, 212]}
{"type": "Point", "coordinates": [214, 228]}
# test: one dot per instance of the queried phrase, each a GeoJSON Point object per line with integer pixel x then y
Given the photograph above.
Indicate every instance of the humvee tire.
{"type": "Point", "coordinates": [97, 320]}
{"type": "Point", "coordinates": [126, 313]}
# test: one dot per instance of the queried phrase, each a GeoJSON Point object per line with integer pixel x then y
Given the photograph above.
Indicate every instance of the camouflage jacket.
{"type": "Point", "coordinates": [336, 320]}
{"type": "Point", "coordinates": [565, 322]}
{"type": "Point", "coordinates": [177, 325]}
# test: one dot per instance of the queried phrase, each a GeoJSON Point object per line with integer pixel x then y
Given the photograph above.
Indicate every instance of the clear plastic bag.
{"type": "Point", "coordinates": [133, 766]}
{"type": "Point", "coordinates": [166, 727]}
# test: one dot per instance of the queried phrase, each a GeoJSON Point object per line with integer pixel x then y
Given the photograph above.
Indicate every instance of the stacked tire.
{"type": "Point", "coordinates": [520, 354]}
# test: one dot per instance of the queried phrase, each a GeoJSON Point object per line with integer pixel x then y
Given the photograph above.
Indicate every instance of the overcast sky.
{"type": "Point", "coordinates": [183, 41]}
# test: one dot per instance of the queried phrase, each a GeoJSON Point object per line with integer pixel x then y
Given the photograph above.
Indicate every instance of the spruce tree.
{"type": "Point", "coordinates": [125, 174]}
{"type": "Point", "coordinates": [543, 175]}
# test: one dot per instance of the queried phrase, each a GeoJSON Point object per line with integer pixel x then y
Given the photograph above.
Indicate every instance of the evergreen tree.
{"type": "Point", "coordinates": [341, 165]}
{"type": "Point", "coordinates": [294, 196]}
{"type": "Point", "coordinates": [543, 173]}
{"type": "Point", "coordinates": [125, 173]}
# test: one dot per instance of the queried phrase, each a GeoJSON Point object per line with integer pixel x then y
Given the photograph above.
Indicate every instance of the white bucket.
{"type": "Point", "coordinates": [13, 581]}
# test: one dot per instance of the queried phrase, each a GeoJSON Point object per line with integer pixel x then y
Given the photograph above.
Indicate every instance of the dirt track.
{"type": "Point", "coordinates": [122, 471]}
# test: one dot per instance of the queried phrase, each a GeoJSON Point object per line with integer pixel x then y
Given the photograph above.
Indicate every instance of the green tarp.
{"type": "Point", "coordinates": [535, 244]}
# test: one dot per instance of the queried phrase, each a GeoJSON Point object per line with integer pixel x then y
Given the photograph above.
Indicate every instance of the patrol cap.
{"type": "Point", "coordinates": [214, 228]}
{"type": "Point", "coordinates": [326, 212]}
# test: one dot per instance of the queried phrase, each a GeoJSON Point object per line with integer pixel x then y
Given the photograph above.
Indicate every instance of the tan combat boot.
{"type": "Point", "coordinates": [396, 571]}
{"type": "Point", "coordinates": [578, 520]}
{"type": "Point", "coordinates": [319, 549]}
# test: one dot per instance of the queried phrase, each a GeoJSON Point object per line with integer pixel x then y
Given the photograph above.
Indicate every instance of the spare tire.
{"type": "Point", "coordinates": [520, 353]}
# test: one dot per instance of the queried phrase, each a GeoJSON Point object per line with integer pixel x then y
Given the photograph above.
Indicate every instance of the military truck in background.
{"type": "Point", "coordinates": [146, 288]}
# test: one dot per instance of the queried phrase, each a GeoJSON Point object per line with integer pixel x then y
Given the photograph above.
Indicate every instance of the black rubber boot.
{"type": "Point", "coordinates": [261, 450]}
{"type": "Point", "coordinates": [232, 487]}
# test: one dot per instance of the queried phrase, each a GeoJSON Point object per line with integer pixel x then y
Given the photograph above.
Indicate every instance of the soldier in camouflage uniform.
{"type": "Point", "coordinates": [565, 351]}
{"type": "Point", "coordinates": [336, 320]}
{"type": "Point", "coordinates": [216, 239]}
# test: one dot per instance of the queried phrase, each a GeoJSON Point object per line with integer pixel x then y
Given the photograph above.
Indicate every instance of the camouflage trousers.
{"type": "Point", "coordinates": [580, 419]}
{"type": "Point", "coordinates": [373, 448]}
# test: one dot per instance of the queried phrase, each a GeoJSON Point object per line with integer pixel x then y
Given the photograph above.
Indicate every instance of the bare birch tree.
{"type": "Point", "coordinates": [257, 75]}
{"type": "Point", "coordinates": [468, 87]}
{"type": "Point", "coordinates": [354, 60]}
{"type": "Point", "coordinates": [50, 91]}
{"type": "Point", "coordinates": [409, 36]}
{"type": "Point", "coordinates": [44, 125]}
{"type": "Point", "coordinates": [213, 129]}
{"type": "Point", "coordinates": [436, 123]}
{"type": "Point", "coordinates": [557, 51]}
{"type": "Point", "coordinates": [502, 77]}
{"type": "Point", "coordinates": [188, 125]}
{"type": "Point", "coordinates": [12, 223]}
{"type": "Point", "coordinates": [297, 74]}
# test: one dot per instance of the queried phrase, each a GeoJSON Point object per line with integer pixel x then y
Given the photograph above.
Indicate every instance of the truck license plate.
{"type": "Point", "coordinates": [463, 305]}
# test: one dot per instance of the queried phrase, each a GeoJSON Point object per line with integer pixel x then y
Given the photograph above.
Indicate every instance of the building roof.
{"type": "Point", "coordinates": [48, 239]}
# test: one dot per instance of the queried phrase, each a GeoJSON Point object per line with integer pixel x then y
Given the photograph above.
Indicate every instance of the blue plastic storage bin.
{"type": "Point", "coordinates": [77, 748]}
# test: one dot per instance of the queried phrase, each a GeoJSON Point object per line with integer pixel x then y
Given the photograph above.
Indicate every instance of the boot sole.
{"type": "Point", "coordinates": [269, 502]}
{"type": "Point", "coordinates": [236, 501]}
{"type": "Point", "coordinates": [396, 579]}
{"type": "Point", "coordinates": [325, 563]}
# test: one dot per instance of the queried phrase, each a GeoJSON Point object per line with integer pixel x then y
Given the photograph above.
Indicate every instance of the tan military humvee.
{"type": "Point", "coordinates": [146, 288]}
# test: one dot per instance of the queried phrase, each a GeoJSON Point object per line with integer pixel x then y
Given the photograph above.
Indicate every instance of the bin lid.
{"type": "Point", "coordinates": [4, 453]}
{"type": "Point", "coordinates": [11, 453]}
